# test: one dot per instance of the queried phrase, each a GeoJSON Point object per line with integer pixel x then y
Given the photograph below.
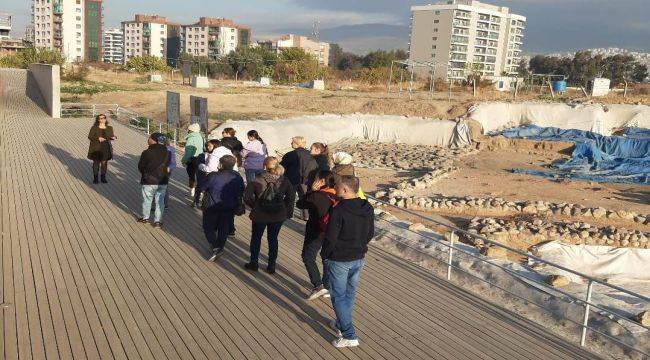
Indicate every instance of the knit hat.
{"type": "Point", "coordinates": [194, 128]}
{"type": "Point", "coordinates": [342, 158]}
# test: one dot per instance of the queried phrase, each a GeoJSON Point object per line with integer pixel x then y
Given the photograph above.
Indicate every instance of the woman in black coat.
{"type": "Point", "coordinates": [100, 149]}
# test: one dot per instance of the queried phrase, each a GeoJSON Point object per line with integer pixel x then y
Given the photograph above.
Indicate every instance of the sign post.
{"type": "Point", "coordinates": [199, 112]}
{"type": "Point", "coordinates": [173, 108]}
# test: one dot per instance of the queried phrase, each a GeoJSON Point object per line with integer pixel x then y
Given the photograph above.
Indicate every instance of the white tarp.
{"type": "Point", "coordinates": [602, 119]}
{"type": "Point", "coordinates": [601, 262]}
{"type": "Point", "coordinates": [330, 128]}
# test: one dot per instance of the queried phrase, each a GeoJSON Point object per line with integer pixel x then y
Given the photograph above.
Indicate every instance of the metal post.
{"type": "Point", "coordinates": [390, 76]}
{"type": "Point", "coordinates": [451, 82]}
{"type": "Point", "coordinates": [474, 86]}
{"type": "Point", "coordinates": [585, 322]}
{"type": "Point", "coordinates": [411, 84]}
{"type": "Point", "coordinates": [431, 86]}
{"type": "Point", "coordinates": [160, 128]}
{"type": "Point", "coordinates": [148, 126]}
{"type": "Point", "coordinates": [451, 255]}
{"type": "Point", "coordinates": [625, 90]}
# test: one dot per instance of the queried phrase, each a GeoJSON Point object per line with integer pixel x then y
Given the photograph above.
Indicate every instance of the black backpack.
{"type": "Point", "coordinates": [271, 200]}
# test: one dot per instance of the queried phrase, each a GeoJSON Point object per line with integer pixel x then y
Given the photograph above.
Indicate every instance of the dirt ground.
{"type": "Point", "coordinates": [236, 100]}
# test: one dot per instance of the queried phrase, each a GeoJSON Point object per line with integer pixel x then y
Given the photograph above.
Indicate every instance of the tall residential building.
{"type": "Point", "coordinates": [113, 46]}
{"type": "Point", "coordinates": [73, 27]}
{"type": "Point", "coordinates": [320, 50]}
{"type": "Point", "coordinates": [213, 37]}
{"type": "Point", "coordinates": [465, 36]}
{"type": "Point", "coordinates": [150, 35]}
{"type": "Point", "coordinates": [5, 26]}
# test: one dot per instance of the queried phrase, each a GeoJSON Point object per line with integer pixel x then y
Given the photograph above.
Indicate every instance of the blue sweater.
{"type": "Point", "coordinates": [223, 190]}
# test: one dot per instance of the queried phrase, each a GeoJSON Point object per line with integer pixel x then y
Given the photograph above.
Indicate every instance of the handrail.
{"type": "Point", "coordinates": [586, 302]}
{"type": "Point", "coordinates": [528, 255]}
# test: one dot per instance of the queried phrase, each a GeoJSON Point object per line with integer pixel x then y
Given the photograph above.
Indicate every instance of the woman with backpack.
{"type": "Point", "coordinates": [318, 201]}
{"type": "Point", "coordinates": [271, 198]}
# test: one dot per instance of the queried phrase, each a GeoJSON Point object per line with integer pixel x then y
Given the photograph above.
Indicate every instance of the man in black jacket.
{"type": "Point", "coordinates": [153, 167]}
{"type": "Point", "coordinates": [300, 168]}
{"type": "Point", "coordinates": [351, 227]}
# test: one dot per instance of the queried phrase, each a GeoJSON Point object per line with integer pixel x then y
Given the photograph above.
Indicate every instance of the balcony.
{"type": "Point", "coordinates": [462, 14]}
{"type": "Point", "coordinates": [461, 23]}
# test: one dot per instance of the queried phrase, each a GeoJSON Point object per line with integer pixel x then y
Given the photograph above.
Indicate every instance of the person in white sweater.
{"type": "Point", "coordinates": [212, 159]}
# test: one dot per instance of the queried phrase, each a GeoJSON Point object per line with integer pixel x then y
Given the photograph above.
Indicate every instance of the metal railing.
{"type": "Point", "coordinates": [122, 115]}
{"type": "Point", "coordinates": [454, 252]}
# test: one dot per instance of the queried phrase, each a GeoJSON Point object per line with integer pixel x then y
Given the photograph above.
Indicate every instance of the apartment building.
{"type": "Point", "coordinates": [466, 36]}
{"type": "Point", "coordinates": [113, 46]}
{"type": "Point", "coordinates": [73, 27]}
{"type": "Point", "coordinates": [5, 26]}
{"type": "Point", "coordinates": [320, 50]}
{"type": "Point", "coordinates": [213, 37]}
{"type": "Point", "coordinates": [150, 35]}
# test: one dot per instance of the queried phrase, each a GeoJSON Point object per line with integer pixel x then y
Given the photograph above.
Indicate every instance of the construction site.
{"type": "Point", "coordinates": [539, 200]}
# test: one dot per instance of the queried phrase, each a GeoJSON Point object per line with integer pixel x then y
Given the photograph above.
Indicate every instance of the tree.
{"type": "Point", "coordinates": [336, 54]}
{"type": "Point", "coordinates": [378, 58]}
{"type": "Point", "coordinates": [349, 61]}
{"type": "Point", "coordinates": [640, 73]}
{"type": "Point", "coordinates": [296, 65]}
{"type": "Point", "coordinates": [144, 64]}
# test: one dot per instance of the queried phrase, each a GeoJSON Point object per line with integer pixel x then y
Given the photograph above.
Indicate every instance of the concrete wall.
{"type": "Point", "coordinates": [48, 80]}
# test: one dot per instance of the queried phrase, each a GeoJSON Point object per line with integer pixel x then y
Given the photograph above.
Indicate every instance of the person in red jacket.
{"type": "Point", "coordinates": [318, 201]}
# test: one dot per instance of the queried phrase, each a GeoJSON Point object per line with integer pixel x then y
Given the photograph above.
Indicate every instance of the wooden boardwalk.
{"type": "Point", "coordinates": [81, 279]}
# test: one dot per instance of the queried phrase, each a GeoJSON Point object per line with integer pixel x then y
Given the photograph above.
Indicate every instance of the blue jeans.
{"type": "Point", "coordinates": [250, 174]}
{"type": "Point", "coordinates": [343, 280]}
{"type": "Point", "coordinates": [149, 192]}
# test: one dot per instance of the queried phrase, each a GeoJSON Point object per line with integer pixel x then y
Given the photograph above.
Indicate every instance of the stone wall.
{"type": "Point", "coordinates": [48, 81]}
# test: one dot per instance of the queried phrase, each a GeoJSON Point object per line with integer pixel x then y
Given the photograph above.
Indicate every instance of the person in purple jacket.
{"type": "Point", "coordinates": [253, 154]}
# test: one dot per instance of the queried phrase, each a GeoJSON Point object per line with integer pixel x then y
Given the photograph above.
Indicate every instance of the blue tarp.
{"type": "Point", "coordinates": [595, 157]}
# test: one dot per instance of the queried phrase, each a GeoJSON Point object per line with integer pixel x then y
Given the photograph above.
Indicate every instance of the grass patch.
{"type": "Point", "coordinates": [87, 88]}
{"type": "Point", "coordinates": [70, 99]}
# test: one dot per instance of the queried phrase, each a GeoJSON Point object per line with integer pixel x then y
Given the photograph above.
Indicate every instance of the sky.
{"type": "Point", "coordinates": [553, 25]}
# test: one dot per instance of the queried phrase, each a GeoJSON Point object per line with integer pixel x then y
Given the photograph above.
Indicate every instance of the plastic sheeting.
{"type": "Point", "coordinates": [601, 262]}
{"type": "Point", "coordinates": [330, 128]}
{"type": "Point", "coordinates": [596, 118]}
{"type": "Point", "coordinates": [595, 157]}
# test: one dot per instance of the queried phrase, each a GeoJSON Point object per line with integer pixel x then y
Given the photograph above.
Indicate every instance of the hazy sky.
{"type": "Point", "coordinates": [552, 24]}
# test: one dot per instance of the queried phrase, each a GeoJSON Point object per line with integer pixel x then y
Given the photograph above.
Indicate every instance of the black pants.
{"type": "Point", "coordinates": [192, 167]}
{"type": "Point", "coordinates": [301, 190]}
{"type": "Point", "coordinates": [273, 230]}
{"type": "Point", "coordinates": [216, 226]}
{"type": "Point", "coordinates": [96, 166]}
{"type": "Point", "coordinates": [310, 250]}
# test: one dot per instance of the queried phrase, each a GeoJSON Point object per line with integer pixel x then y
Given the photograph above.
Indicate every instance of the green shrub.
{"type": "Point", "coordinates": [144, 64]}
{"type": "Point", "coordinates": [22, 59]}
{"type": "Point", "coordinates": [87, 88]}
{"type": "Point", "coordinates": [75, 72]}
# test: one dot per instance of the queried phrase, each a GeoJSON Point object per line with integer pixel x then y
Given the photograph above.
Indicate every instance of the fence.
{"type": "Point", "coordinates": [122, 115]}
{"type": "Point", "coordinates": [451, 264]}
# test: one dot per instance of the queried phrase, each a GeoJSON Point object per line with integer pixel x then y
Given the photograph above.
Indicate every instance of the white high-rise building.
{"type": "Point", "coordinates": [213, 37]}
{"type": "Point", "coordinates": [5, 26]}
{"type": "Point", "coordinates": [113, 46]}
{"type": "Point", "coordinates": [70, 26]}
{"type": "Point", "coordinates": [150, 35]}
{"type": "Point", "coordinates": [466, 36]}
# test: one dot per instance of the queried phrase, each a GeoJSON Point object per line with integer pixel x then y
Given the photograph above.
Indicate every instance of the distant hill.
{"type": "Point", "coordinates": [358, 39]}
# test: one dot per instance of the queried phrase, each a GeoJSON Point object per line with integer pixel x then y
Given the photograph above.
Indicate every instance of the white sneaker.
{"type": "Point", "coordinates": [341, 343]}
{"type": "Point", "coordinates": [192, 192]}
{"type": "Point", "coordinates": [327, 295]}
{"type": "Point", "coordinates": [336, 329]}
{"type": "Point", "coordinates": [216, 253]}
{"type": "Point", "coordinates": [317, 292]}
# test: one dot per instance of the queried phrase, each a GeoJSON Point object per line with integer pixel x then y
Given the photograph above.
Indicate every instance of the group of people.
{"type": "Point", "coordinates": [339, 220]}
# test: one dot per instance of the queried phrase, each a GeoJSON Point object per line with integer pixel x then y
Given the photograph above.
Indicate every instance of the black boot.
{"type": "Point", "coordinates": [95, 179]}
{"type": "Point", "coordinates": [104, 179]}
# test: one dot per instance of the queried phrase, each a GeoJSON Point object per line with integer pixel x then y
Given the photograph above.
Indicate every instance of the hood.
{"type": "Point", "coordinates": [356, 207]}
{"type": "Point", "coordinates": [268, 177]}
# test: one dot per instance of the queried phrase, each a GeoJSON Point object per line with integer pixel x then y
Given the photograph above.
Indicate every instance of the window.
{"type": "Point", "coordinates": [433, 47]}
{"type": "Point", "coordinates": [435, 29]}
{"type": "Point", "coordinates": [436, 21]}
{"type": "Point", "coordinates": [437, 12]}
{"type": "Point", "coordinates": [434, 38]}
{"type": "Point", "coordinates": [78, 26]}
